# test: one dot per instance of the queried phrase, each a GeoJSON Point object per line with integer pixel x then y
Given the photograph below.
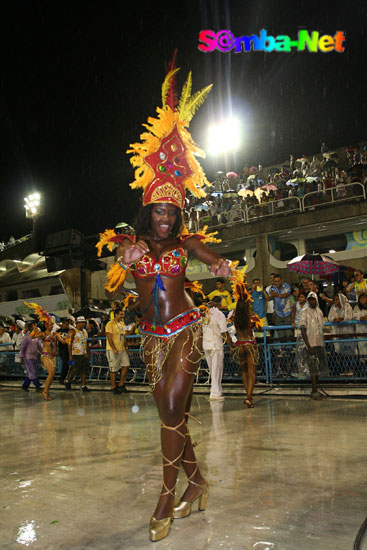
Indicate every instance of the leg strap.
{"type": "Point", "coordinates": [167, 462]}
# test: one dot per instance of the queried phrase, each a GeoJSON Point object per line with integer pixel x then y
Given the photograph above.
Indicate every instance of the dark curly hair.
{"type": "Point", "coordinates": [142, 222]}
{"type": "Point", "coordinates": [242, 314]}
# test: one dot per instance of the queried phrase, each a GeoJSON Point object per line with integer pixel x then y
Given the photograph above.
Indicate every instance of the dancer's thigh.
{"type": "Point", "coordinates": [49, 364]}
{"type": "Point", "coordinates": [173, 392]}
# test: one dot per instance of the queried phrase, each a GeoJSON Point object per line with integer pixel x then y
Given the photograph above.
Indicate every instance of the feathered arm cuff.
{"type": "Point", "coordinates": [238, 284]}
{"type": "Point", "coordinates": [256, 321]}
{"type": "Point", "coordinates": [195, 286]}
{"type": "Point", "coordinates": [109, 238]}
{"type": "Point", "coordinates": [116, 276]}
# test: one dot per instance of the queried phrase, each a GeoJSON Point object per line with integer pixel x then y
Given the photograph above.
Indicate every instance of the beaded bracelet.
{"type": "Point", "coordinates": [126, 267]}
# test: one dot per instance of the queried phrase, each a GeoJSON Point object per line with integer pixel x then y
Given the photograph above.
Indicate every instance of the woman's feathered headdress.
{"type": "Point", "coordinates": [39, 311]}
{"type": "Point", "coordinates": [165, 159]}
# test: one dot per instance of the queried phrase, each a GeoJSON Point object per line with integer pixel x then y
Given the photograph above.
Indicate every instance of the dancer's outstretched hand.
{"type": "Point", "coordinates": [220, 268]}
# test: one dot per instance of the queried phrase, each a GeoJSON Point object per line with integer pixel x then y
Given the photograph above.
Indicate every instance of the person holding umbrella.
{"type": "Point", "coordinates": [311, 348]}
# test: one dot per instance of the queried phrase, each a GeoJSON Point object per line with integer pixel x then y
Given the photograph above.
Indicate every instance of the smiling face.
{"type": "Point", "coordinates": [164, 217]}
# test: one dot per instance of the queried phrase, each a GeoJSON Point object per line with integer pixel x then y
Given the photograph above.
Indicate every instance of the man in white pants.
{"type": "Point", "coordinates": [214, 333]}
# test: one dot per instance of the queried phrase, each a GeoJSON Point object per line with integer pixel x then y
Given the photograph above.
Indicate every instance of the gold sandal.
{"type": "Point", "coordinates": [183, 509]}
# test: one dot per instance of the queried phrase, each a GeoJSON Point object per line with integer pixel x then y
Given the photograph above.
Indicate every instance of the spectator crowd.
{"type": "Point", "coordinates": [258, 192]}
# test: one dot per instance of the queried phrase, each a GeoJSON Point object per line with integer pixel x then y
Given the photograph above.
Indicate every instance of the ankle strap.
{"type": "Point", "coordinates": [168, 491]}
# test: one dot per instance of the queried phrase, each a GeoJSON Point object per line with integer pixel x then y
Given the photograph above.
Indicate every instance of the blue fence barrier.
{"type": "Point", "coordinates": [346, 354]}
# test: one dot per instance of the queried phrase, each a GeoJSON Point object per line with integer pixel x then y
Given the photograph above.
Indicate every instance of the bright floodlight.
{"type": "Point", "coordinates": [224, 136]}
{"type": "Point", "coordinates": [32, 205]}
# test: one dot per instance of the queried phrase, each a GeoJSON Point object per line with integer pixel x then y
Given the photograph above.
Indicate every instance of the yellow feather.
{"type": "Point", "coordinates": [194, 103]}
{"type": "Point", "coordinates": [105, 240]}
{"type": "Point", "coordinates": [166, 85]}
{"type": "Point", "coordinates": [185, 94]}
{"type": "Point", "coordinates": [115, 277]}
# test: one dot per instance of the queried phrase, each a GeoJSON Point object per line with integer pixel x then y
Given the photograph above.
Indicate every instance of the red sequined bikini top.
{"type": "Point", "coordinates": [172, 263]}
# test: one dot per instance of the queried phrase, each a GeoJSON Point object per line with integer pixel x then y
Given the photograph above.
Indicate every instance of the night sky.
{"type": "Point", "coordinates": [76, 84]}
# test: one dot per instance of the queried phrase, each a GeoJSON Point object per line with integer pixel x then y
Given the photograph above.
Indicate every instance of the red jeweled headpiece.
{"type": "Point", "coordinates": [165, 159]}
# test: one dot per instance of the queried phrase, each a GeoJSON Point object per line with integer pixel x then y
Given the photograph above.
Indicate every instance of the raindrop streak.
{"type": "Point", "coordinates": [27, 534]}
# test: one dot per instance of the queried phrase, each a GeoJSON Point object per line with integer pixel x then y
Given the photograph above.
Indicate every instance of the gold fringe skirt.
{"type": "Point", "coordinates": [155, 351]}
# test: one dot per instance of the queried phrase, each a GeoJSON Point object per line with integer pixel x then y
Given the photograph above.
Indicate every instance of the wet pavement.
{"type": "Point", "coordinates": [84, 472]}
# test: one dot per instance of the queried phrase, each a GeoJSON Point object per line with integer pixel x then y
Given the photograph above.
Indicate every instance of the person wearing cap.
{"type": "Point", "coordinates": [117, 356]}
{"type": "Point", "coordinates": [214, 331]}
{"type": "Point", "coordinates": [79, 355]}
{"type": "Point", "coordinates": [18, 336]}
{"type": "Point", "coordinates": [312, 354]}
{"type": "Point", "coordinates": [4, 339]}
{"type": "Point", "coordinates": [29, 352]}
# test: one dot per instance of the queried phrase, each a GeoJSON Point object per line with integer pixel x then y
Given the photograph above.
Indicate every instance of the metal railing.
{"type": "Point", "coordinates": [347, 359]}
{"type": "Point", "coordinates": [290, 204]}
{"type": "Point", "coordinates": [333, 195]}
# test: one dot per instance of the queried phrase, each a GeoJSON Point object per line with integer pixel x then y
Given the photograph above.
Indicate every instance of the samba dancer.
{"type": "Point", "coordinates": [157, 257]}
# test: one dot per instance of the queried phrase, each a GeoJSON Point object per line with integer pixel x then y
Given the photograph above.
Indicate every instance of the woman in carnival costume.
{"type": "Point", "coordinates": [48, 338]}
{"type": "Point", "coordinates": [246, 349]}
{"type": "Point", "coordinates": [157, 257]}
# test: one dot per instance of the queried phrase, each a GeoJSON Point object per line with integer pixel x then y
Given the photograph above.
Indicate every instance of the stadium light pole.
{"type": "Point", "coordinates": [33, 208]}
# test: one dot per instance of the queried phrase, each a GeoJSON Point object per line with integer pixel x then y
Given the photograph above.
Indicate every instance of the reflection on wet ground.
{"type": "Point", "coordinates": [84, 471]}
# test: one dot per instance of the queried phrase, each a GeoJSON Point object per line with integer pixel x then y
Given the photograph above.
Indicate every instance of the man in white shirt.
{"type": "Point", "coordinates": [214, 332]}
{"type": "Point", "coordinates": [4, 339]}
{"type": "Point", "coordinates": [17, 338]}
{"type": "Point", "coordinates": [270, 304]}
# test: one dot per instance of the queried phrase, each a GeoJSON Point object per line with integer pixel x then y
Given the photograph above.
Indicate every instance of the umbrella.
{"type": "Point", "coordinates": [312, 178]}
{"type": "Point", "coordinates": [269, 187]}
{"type": "Point", "coordinates": [245, 193]}
{"type": "Point", "coordinates": [89, 312]}
{"type": "Point", "coordinates": [231, 175]}
{"type": "Point", "coordinates": [202, 206]}
{"type": "Point", "coordinates": [313, 263]}
{"type": "Point", "coordinates": [303, 159]}
{"type": "Point", "coordinates": [230, 194]}
{"type": "Point", "coordinates": [123, 225]}
{"type": "Point", "coordinates": [216, 194]}
{"type": "Point", "coordinates": [293, 183]}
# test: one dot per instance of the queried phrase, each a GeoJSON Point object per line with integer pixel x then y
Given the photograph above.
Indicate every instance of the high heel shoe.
{"type": "Point", "coordinates": [248, 401]}
{"type": "Point", "coordinates": [183, 509]}
{"type": "Point", "coordinates": [159, 528]}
